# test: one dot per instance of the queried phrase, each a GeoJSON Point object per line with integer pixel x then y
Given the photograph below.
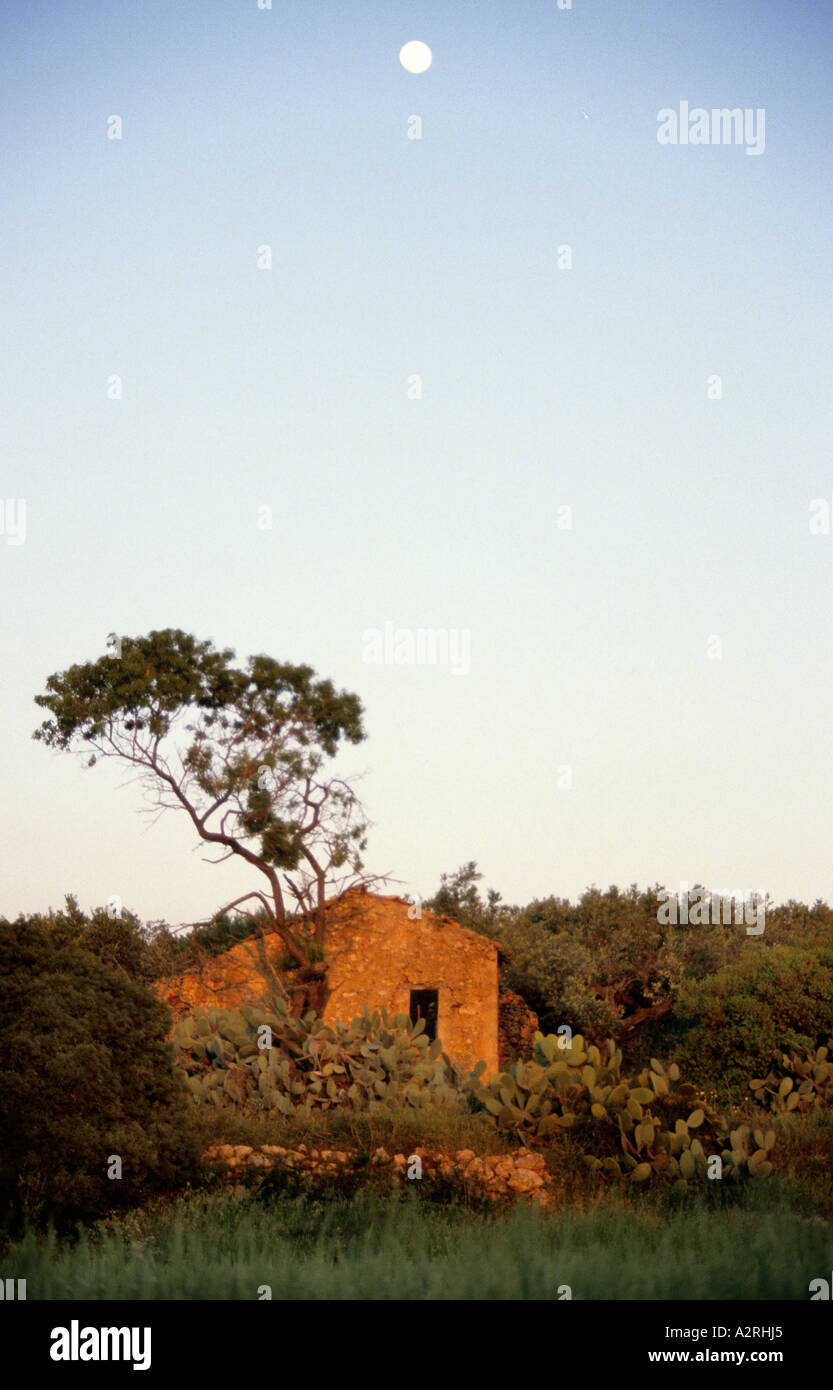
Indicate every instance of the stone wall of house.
{"type": "Point", "coordinates": [239, 976]}
{"type": "Point", "coordinates": [376, 955]}
{"type": "Point", "coordinates": [517, 1026]}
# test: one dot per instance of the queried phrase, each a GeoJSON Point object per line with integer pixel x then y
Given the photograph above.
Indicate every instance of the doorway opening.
{"type": "Point", "coordinates": [424, 1004]}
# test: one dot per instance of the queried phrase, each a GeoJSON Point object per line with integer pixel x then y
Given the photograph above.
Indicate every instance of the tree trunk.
{"type": "Point", "coordinates": [310, 989]}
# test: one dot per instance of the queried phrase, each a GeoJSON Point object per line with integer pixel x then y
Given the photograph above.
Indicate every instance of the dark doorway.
{"type": "Point", "coordinates": [424, 1003]}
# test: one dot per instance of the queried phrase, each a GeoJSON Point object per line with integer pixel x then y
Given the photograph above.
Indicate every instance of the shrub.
{"type": "Point", "coordinates": [606, 964]}
{"type": "Point", "coordinates": [728, 1025]}
{"type": "Point", "coordinates": [85, 1073]}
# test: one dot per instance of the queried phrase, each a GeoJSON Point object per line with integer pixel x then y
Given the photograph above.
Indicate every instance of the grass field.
{"type": "Point", "coordinates": [765, 1241]}
{"type": "Point", "coordinates": [222, 1246]}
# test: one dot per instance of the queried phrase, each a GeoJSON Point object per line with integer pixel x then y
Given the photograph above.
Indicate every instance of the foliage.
{"type": "Point", "coordinates": [609, 967]}
{"type": "Point", "coordinates": [368, 1064]}
{"type": "Point", "coordinates": [798, 1081]}
{"type": "Point", "coordinates": [398, 1127]}
{"type": "Point", "coordinates": [729, 1024]}
{"type": "Point", "coordinates": [603, 965]}
{"type": "Point", "coordinates": [85, 1074]}
{"type": "Point", "coordinates": [641, 1128]}
{"type": "Point", "coordinates": [242, 752]}
{"type": "Point", "coordinates": [458, 896]}
{"type": "Point", "coordinates": [227, 931]}
{"type": "Point", "coordinates": [145, 952]}
{"type": "Point", "coordinates": [117, 939]}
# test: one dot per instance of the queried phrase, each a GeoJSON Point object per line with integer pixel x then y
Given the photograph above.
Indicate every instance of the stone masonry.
{"type": "Point", "coordinates": [498, 1176]}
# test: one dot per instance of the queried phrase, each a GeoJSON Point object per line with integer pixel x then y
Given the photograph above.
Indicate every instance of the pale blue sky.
{"type": "Point", "coordinates": [542, 388]}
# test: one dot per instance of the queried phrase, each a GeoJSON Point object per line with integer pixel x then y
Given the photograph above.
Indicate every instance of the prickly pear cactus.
{"type": "Point", "coordinates": [647, 1127]}
{"type": "Point", "coordinates": [797, 1081]}
{"type": "Point", "coordinates": [264, 1059]}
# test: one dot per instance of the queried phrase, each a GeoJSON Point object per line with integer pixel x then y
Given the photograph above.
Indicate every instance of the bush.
{"type": "Point", "coordinates": [604, 965]}
{"type": "Point", "coordinates": [85, 1073]}
{"type": "Point", "coordinates": [727, 1026]}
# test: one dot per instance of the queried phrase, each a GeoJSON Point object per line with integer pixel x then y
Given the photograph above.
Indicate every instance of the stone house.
{"type": "Point", "coordinates": [381, 952]}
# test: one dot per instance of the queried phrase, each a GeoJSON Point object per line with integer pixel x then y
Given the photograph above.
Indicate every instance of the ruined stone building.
{"type": "Point", "coordinates": [380, 956]}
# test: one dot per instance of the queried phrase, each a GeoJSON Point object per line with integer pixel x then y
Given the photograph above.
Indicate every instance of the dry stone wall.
{"type": "Point", "coordinates": [495, 1177]}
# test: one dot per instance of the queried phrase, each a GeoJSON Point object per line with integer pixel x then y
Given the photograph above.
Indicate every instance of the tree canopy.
{"type": "Point", "coordinates": [612, 964]}
{"type": "Point", "coordinates": [243, 751]}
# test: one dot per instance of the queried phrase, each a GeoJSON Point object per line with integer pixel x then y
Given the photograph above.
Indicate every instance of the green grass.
{"type": "Point", "coordinates": [766, 1240]}
{"type": "Point", "coordinates": [400, 1129]}
{"type": "Point", "coordinates": [221, 1246]}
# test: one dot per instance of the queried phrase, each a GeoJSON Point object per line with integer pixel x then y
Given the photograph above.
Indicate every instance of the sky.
{"type": "Point", "coordinates": [518, 374]}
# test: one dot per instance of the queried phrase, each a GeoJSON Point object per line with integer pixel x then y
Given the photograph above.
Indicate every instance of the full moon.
{"type": "Point", "coordinates": [415, 56]}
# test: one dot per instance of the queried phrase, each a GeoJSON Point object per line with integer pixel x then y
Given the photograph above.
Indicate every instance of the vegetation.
{"type": "Point", "coordinates": [244, 753]}
{"type": "Point", "coordinates": [222, 1246]}
{"type": "Point", "coordinates": [645, 1128]}
{"type": "Point", "coordinates": [743, 1025]}
{"type": "Point", "coordinates": [798, 1081]}
{"type": "Point", "coordinates": [265, 1059]}
{"type": "Point", "coordinates": [395, 1127]}
{"type": "Point", "coordinates": [86, 1076]}
{"type": "Point", "coordinates": [710, 996]}
{"type": "Point", "coordinates": [257, 1061]}
{"type": "Point", "coordinates": [107, 1121]}
{"type": "Point", "coordinates": [728, 1024]}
